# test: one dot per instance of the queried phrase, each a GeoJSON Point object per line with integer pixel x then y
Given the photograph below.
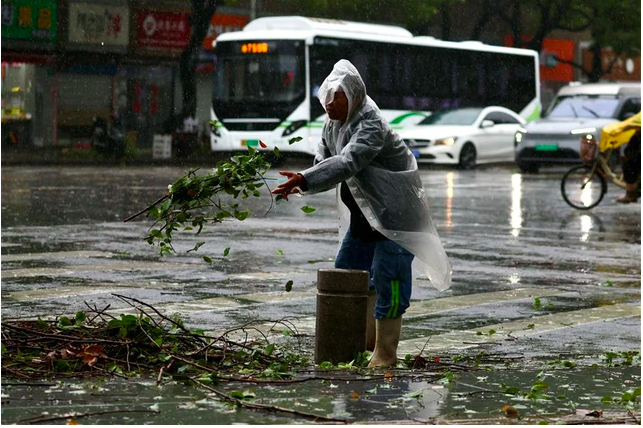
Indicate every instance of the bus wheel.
{"type": "Point", "coordinates": [467, 157]}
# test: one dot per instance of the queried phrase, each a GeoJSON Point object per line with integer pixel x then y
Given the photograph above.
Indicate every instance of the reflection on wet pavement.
{"type": "Point", "coordinates": [546, 279]}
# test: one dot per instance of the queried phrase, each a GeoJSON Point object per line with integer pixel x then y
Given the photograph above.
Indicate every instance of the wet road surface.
{"type": "Point", "coordinates": [533, 278]}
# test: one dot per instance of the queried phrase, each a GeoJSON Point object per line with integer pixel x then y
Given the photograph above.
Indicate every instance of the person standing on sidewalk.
{"type": "Point", "coordinates": [390, 226]}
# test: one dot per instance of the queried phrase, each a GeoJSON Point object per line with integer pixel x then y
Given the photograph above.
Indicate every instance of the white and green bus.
{"type": "Point", "coordinates": [267, 76]}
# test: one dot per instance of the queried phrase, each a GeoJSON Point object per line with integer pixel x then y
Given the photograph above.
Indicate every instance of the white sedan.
{"type": "Point", "coordinates": [465, 137]}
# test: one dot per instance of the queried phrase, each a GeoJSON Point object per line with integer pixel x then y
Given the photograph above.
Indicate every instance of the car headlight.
{"type": "Point", "coordinates": [582, 131]}
{"type": "Point", "coordinates": [520, 134]}
{"type": "Point", "coordinates": [449, 141]}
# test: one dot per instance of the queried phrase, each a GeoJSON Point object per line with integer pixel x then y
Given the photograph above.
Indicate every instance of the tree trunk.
{"type": "Point", "coordinates": [482, 22]}
{"type": "Point", "coordinates": [202, 11]}
{"type": "Point", "coordinates": [516, 26]}
{"type": "Point", "coordinates": [596, 72]}
{"type": "Point", "coordinates": [445, 15]}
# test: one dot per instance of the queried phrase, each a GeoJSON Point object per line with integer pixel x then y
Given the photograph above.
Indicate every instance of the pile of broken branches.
{"type": "Point", "coordinates": [144, 343]}
{"type": "Point", "coordinates": [147, 343]}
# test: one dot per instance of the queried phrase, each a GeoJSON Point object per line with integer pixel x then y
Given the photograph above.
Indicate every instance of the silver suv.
{"type": "Point", "coordinates": [577, 109]}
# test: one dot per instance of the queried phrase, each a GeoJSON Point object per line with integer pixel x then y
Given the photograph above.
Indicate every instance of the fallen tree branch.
{"type": "Point", "coordinates": [268, 407]}
{"type": "Point", "coordinates": [40, 419]}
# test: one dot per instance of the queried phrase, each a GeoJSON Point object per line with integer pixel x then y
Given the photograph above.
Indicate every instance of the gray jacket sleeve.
{"type": "Point", "coordinates": [365, 141]}
{"type": "Point", "coordinates": [322, 151]}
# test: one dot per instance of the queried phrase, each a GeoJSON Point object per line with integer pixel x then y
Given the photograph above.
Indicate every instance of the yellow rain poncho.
{"type": "Point", "coordinates": [619, 133]}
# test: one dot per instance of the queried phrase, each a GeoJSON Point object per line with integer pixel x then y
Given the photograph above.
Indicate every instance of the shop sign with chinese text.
{"type": "Point", "coordinates": [30, 20]}
{"type": "Point", "coordinates": [97, 24]}
{"type": "Point", "coordinates": [162, 30]}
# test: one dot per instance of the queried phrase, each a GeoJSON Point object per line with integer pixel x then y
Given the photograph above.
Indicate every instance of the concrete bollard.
{"type": "Point", "coordinates": [340, 329]}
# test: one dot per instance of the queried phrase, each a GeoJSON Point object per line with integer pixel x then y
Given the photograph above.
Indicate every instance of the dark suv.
{"type": "Point", "coordinates": [577, 109]}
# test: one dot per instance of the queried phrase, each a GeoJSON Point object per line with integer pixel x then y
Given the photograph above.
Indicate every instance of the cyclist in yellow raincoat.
{"type": "Point", "coordinates": [617, 134]}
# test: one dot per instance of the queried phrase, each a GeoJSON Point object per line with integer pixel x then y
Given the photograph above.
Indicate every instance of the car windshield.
{"type": "Point", "coordinates": [585, 106]}
{"type": "Point", "coordinates": [463, 116]}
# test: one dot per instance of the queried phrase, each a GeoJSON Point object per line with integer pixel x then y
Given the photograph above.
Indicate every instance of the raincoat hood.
{"type": "Point", "coordinates": [346, 78]}
{"type": "Point", "coordinates": [381, 173]}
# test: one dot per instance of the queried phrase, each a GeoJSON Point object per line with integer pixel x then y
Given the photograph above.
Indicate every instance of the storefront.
{"type": "Point", "coordinates": [154, 91]}
{"type": "Point", "coordinates": [219, 24]}
{"type": "Point", "coordinates": [148, 98]}
{"type": "Point", "coordinates": [98, 38]}
{"type": "Point", "coordinates": [67, 62]}
{"type": "Point", "coordinates": [29, 36]}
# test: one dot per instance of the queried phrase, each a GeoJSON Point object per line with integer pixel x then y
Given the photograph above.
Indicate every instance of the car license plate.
{"type": "Point", "coordinates": [416, 153]}
{"type": "Point", "coordinates": [249, 143]}
{"type": "Point", "coordinates": [546, 147]}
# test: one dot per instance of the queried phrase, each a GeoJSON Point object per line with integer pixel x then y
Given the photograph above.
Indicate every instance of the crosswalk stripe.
{"type": "Point", "coordinates": [463, 339]}
{"type": "Point", "coordinates": [227, 302]}
{"type": "Point", "coordinates": [124, 265]}
{"type": "Point", "coordinates": [55, 255]}
{"type": "Point", "coordinates": [426, 307]}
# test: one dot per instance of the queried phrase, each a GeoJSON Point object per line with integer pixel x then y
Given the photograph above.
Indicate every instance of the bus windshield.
{"type": "Point", "coordinates": [585, 106]}
{"type": "Point", "coordinates": [259, 78]}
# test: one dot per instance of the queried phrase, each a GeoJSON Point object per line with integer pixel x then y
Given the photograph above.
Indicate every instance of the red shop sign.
{"type": "Point", "coordinates": [222, 24]}
{"type": "Point", "coordinates": [162, 30]}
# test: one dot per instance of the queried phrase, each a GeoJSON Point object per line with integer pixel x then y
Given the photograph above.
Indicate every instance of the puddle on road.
{"type": "Point", "coordinates": [554, 390]}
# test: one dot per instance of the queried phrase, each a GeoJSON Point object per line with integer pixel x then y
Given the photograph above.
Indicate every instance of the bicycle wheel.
{"type": "Point", "coordinates": [583, 189]}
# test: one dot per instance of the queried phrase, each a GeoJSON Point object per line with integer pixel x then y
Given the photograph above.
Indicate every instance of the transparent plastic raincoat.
{"type": "Point", "coordinates": [381, 174]}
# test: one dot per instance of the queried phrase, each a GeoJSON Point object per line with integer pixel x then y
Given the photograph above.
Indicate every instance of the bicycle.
{"type": "Point", "coordinates": [584, 186]}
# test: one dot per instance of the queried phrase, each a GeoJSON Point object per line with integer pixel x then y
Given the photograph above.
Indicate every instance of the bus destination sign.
{"type": "Point", "coordinates": [254, 48]}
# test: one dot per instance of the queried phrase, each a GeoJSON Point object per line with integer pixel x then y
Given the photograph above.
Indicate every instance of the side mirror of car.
{"type": "Point", "coordinates": [487, 123]}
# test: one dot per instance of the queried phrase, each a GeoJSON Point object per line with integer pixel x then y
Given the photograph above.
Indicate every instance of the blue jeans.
{"type": "Point", "coordinates": [390, 268]}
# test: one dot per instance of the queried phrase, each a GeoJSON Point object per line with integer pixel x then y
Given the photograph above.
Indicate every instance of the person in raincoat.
{"type": "Point", "coordinates": [390, 231]}
{"type": "Point", "coordinates": [627, 131]}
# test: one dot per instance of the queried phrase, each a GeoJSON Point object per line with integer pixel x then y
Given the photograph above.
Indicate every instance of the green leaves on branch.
{"type": "Point", "coordinates": [194, 201]}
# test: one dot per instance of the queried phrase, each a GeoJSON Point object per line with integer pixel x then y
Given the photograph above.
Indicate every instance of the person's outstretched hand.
{"type": "Point", "coordinates": [290, 186]}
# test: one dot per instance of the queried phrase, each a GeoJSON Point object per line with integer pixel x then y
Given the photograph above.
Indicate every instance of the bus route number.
{"type": "Point", "coordinates": [252, 48]}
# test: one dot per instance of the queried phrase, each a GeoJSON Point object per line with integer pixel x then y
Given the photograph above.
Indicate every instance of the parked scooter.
{"type": "Point", "coordinates": [107, 138]}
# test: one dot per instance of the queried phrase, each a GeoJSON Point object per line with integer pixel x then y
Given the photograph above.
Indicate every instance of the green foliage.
{"type": "Point", "coordinates": [536, 392]}
{"type": "Point", "coordinates": [308, 209]}
{"type": "Point", "coordinates": [617, 24]}
{"type": "Point", "coordinates": [400, 12]}
{"type": "Point", "coordinates": [137, 344]}
{"type": "Point", "coordinates": [194, 201]}
{"type": "Point", "coordinates": [246, 394]}
{"type": "Point", "coordinates": [326, 365]}
{"type": "Point", "coordinates": [619, 359]}
{"type": "Point", "coordinates": [447, 378]}
{"type": "Point", "coordinates": [65, 322]}
{"type": "Point", "coordinates": [538, 304]}
{"type": "Point", "coordinates": [564, 364]}
{"type": "Point", "coordinates": [630, 399]}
